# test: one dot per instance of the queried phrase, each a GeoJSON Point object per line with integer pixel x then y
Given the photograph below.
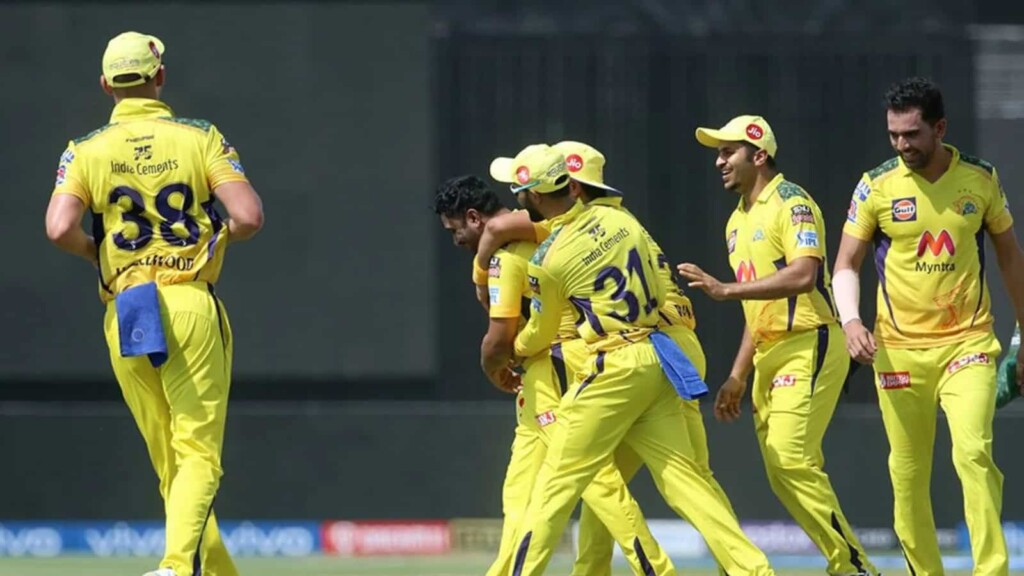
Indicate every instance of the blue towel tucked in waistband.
{"type": "Point", "coordinates": [139, 325]}
{"type": "Point", "coordinates": [680, 371]}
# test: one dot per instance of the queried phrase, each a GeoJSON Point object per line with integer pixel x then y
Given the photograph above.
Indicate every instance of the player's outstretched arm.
{"type": "Point", "coordinates": [796, 278]}
{"type": "Point", "coordinates": [501, 230]}
{"type": "Point", "coordinates": [846, 288]}
{"type": "Point", "coordinates": [245, 209]}
{"type": "Point", "coordinates": [64, 226]}
{"type": "Point", "coordinates": [1011, 267]}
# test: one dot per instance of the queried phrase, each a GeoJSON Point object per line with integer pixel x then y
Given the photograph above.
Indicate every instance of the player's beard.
{"type": "Point", "coordinates": [535, 215]}
{"type": "Point", "coordinates": [919, 159]}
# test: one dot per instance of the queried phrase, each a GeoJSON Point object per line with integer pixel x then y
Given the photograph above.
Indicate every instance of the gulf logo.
{"type": "Point", "coordinates": [904, 209]}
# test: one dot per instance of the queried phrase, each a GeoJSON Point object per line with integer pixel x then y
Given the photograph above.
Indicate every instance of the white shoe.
{"type": "Point", "coordinates": [161, 572]}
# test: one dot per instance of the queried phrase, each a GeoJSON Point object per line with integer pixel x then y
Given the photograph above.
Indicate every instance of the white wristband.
{"type": "Point", "coordinates": [846, 289]}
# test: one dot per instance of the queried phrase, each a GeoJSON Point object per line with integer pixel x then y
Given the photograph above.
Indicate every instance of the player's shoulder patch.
{"type": "Point", "coordinates": [975, 161]}
{"type": "Point", "coordinates": [203, 125]}
{"type": "Point", "coordinates": [542, 249]}
{"type": "Point", "coordinates": [883, 168]}
{"type": "Point", "coordinates": [788, 190]}
{"type": "Point", "coordinates": [91, 135]}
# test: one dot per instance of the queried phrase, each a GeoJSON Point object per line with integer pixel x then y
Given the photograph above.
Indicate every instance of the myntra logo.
{"type": "Point", "coordinates": [745, 272]}
{"type": "Point", "coordinates": [935, 244]}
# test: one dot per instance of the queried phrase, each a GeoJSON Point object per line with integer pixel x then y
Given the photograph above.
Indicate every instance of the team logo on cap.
{"type": "Point", "coordinates": [523, 174]}
{"type": "Point", "coordinates": [754, 132]}
{"type": "Point", "coordinates": [574, 163]}
{"type": "Point", "coordinates": [152, 48]}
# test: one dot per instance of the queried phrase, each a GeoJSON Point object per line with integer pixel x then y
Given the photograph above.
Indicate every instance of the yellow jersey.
{"type": "Point", "coordinates": [930, 248]}
{"type": "Point", "coordinates": [677, 309]}
{"type": "Point", "coordinates": [598, 260]}
{"type": "Point", "coordinates": [783, 224]}
{"type": "Point", "coordinates": [570, 317]}
{"type": "Point", "coordinates": [148, 179]}
{"type": "Point", "coordinates": [507, 284]}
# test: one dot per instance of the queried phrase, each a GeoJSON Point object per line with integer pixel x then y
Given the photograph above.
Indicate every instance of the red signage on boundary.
{"type": "Point", "coordinates": [386, 538]}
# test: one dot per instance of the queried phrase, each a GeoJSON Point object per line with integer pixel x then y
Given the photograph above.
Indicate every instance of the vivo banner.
{"type": "Point", "coordinates": [108, 539]}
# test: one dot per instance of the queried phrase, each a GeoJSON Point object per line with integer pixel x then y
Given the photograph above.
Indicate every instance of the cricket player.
{"type": "Point", "coordinates": [150, 181]}
{"type": "Point", "coordinates": [792, 340]}
{"type": "Point", "coordinates": [585, 165]}
{"type": "Point", "coordinates": [927, 212]}
{"type": "Point", "coordinates": [465, 204]}
{"type": "Point", "coordinates": [597, 258]}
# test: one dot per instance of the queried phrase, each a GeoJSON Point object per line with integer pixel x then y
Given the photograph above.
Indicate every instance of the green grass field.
{"type": "Point", "coordinates": [457, 565]}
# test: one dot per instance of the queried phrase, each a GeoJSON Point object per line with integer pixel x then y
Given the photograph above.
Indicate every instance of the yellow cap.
{"type": "Point", "coordinates": [537, 168]}
{"type": "Point", "coordinates": [584, 163]}
{"type": "Point", "coordinates": [752, 129]}
{"type": "Point", "coordinates": [132, 59]}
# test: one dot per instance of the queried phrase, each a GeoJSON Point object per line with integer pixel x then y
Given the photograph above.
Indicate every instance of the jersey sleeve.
{"type": "Point", "coordinates": [800, 229]}
{"type": "Point", "coordinates": [506, 278]}
{"type": "Point", "coordinates": [861, 218]}
{"type": "Point", "coordinates": [222, 162]}
{"type": "Point", "coordinates": [997, 214]}
{"type": "Point", "coordinates": [546, 304]}
{"type": "Point", "coordinates": [70, 176]}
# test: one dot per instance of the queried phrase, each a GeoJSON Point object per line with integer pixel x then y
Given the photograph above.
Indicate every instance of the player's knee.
{"type": "Point", "coordinates": [972, 456]}
{"type": "Point", "coordinates": [780, 460]}
{"type": "Point", "coordinates": [205, 462]}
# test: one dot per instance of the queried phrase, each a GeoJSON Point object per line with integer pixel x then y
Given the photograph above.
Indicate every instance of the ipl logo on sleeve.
{"type": "Point", "coordinates": [860, 193]}
{"type": "Point", "coordinates": [62, 166]}
{"type": "Point", "coordinates": [806, 239]}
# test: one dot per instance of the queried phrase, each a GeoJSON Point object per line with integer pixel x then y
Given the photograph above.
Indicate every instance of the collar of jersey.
{"type": "Point", "coordinates": [139, 109]}
{"type": "Point", "coordinates": [766, 193]}
{"type": "Point", "coordinates": [613, 201]}
{"type": "Point", "coordinates": [563, 219]}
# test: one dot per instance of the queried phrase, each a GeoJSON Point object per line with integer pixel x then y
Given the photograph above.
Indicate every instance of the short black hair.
{"type": "Point", "coordinates": [770, 163]}
{"type": "Point", "coordinates": [917, 92]}
{"type": "Point", "coordinates": [457, 195]}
